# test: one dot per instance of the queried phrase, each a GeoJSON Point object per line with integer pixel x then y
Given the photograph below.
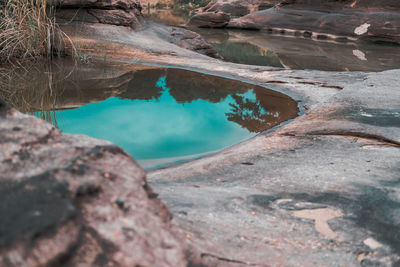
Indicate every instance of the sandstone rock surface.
{"type": "Point", "coordinates": [374, 25]}
{"type": "Point", "coordinates": [210, 20]}
{"type": "Point", "coordinates": [152, 40]}
{"type": "Point", "coordinates": [238, 8]}
{"type": "Point", "coordinates": [76, 201]}
{"type": "Point", "coordinates": [320, 191]}
{"type": "Point", "coordinates": [107, 4]}
{"type": "Point", "coordinates": [340, 4]}
{"type": "Point", "coordinates": [117, 17]}
{"type": "Point", "coordinates": [115, 12]}
{"type": "Point", "coordinates": [192, 41]}
{"type": "Point", "coordinates": [365, 19]}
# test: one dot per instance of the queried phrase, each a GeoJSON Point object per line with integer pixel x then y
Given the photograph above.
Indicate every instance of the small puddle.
{"type": "Point", "coordinates": [263, 49]}
{"type": "Point", "coordinates": [159, 116]}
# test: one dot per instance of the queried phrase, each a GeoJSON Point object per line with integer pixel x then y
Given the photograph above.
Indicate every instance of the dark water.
{"type": "Point", "coordinates": [159, 116]}
{"type": "Point", "coordinates": [263, 49]}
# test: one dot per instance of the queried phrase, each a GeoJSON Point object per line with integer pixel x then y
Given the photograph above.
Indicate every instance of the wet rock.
{"type": "Point", "coordinates": [76, 201]}
{"type": "Point", "coordinates": [209, 20]}
{"type": "Point", "coordinates": [192, 41]}
{"type": "Point", "coordinates": [340, 19]}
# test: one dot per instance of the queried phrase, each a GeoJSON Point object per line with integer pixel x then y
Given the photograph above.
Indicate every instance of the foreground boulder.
{"type": "Point", "coordinates": [74, 200]}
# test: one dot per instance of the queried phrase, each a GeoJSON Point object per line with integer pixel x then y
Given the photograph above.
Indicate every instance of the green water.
{"type": "Point", "coordinates": [159, 116]}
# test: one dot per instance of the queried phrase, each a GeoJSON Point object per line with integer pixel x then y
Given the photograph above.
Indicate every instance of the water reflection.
{"type": "Point", "coordinates": [263, 49]}
{"type": "Point", "coordinates": [157, 115]}
{"type": "Point", "coordinates": [170, 17]}
{"type": "Point", "coordinates": [187, 87]}
{"type": "Point", "coordinates": [257, 48]}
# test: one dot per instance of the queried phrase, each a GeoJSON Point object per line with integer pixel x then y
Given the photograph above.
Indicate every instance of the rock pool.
{"type": "Point", "coordinates": [158, 115]}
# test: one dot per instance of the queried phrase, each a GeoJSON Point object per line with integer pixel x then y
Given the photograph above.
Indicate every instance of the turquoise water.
{"type": "Point", "coordinates": [160, 116]}
{"type": "Point", "coordinates": [160, 127]}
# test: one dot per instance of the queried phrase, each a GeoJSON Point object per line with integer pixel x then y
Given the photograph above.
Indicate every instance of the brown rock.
{"type": "Point", "coordinates": [330, 5]}
{"type": "Point", "coordinates": [108, 4]}
{"type": "Point", "coordinates": [353, 23]}
{"type": "Point", "coordinates": [235, 8]}
{"type": "Point", "coordinates": [75, 15]}
{"type": "Point", "coordinates": [115, 12]}
{"type": "Point", "coordinates": [73, 200]}
{"type": "Point", "coordinates": [239, 8]}
{"type": "Point", "coordinates": [117, 17]}
{"type": "Point", "coordinates": [131, 18]}
{"type": "Point", "coordinates": [209, 20]}
{"type": "Point", "coordinates": [192, 41]}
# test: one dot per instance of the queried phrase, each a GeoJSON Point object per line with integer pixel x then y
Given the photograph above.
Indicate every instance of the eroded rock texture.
{"type": "Point", "coordinates": [109, 4]}
{"type": "Point", "coordinates": [75, 200]}
{"type": "Point", "coordinates": [210, 20]}
{"type": "Point", "coordinates": [115, 12]}
{"type": "Point", "coordinates": [239, 8]}
{"type": "Point", "coordinates": [354, 19]}
{"type": "Point", "coordinates": [192, 41]}
{"type": "Point", "coordinates": [323, 190]}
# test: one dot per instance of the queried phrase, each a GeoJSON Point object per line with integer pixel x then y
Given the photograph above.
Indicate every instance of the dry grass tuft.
{"type": "Point", "coordinates": [28, 30]}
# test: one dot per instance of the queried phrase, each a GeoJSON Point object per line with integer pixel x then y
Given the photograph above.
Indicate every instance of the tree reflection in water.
{"type": "Point", "coordinates": [157, 115]}
{"type": "Point", "coordinates": [249, 113]}
{"type": "Point", "coordinates": [61, 86]}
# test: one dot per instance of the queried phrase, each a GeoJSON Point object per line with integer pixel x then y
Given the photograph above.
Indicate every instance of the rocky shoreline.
{"type": "Point", "coordinates": [343, 20]}
{"type": "Point", "coordinates": [322, 189]}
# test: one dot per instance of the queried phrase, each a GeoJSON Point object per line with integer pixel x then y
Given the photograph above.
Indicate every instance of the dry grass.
{"type": "Point", "coordinates": [27, 30]}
